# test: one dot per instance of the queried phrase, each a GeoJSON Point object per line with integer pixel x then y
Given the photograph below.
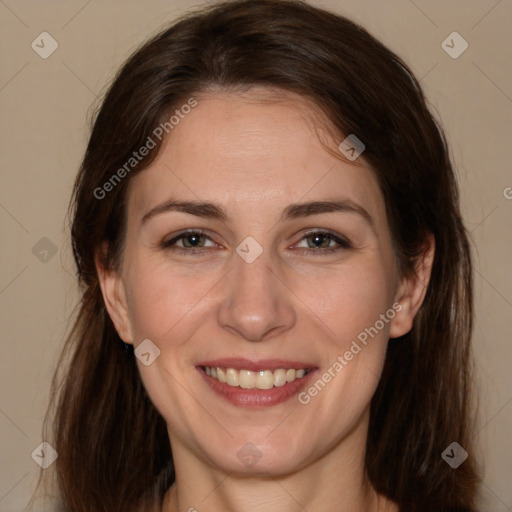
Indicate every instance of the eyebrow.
{"type": "Point", "coordinates": [298, 210]}
{"type": "Point", "coordinates": [293, 211]}
{"type": "Point", "coordinates": [198, 208]}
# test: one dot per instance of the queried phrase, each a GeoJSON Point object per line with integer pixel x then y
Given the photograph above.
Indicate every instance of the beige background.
{"type": "Point", "coordinates": [45, 104]}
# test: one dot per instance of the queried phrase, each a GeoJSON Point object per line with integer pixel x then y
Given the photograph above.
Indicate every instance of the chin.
{"type": "Point", "coordinates": [245, 457]}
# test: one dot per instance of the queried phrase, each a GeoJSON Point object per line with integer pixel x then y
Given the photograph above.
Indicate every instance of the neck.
{"type": "Point", "coordinates": [335, 482]}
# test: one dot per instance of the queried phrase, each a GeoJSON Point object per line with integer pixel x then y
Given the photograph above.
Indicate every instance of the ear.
{"type": "Point", "coordinates": [114, 296]}
{"type": "Point", "coordinates": [412, 290]}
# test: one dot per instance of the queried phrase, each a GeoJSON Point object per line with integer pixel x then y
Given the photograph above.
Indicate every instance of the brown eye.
{"type": "Point", "coordinates": [323, 241]}
{"type": "Point", "coordinates": [319, 240]}
{"type": "Point", "coordinates": [193, 240]}
{"type": "Point", "coordinates": [188, 240]}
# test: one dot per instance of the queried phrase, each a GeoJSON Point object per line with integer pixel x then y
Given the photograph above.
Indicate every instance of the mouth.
{"type": "Point", "coordinates": [255, 384]}
{"type": "Point", "coordinates": [261, 379]}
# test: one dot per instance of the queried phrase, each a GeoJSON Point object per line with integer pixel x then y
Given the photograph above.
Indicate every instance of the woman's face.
{"type": "Point", "coordinates": [292, 272]}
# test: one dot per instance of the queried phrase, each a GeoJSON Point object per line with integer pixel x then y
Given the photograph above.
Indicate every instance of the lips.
{"type": "Point", "coordinates": [239, 363]}
{"type": "Point", "coordinates": [255, 383]}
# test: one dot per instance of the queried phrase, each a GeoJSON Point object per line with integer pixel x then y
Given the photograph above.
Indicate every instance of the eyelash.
{"type": "Point", "coordinates": [342, 242]}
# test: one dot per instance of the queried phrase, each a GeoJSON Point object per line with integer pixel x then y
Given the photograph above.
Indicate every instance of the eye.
{"type": "Point", "coordinates": [316, 242]}
{"type": "Point", "coordinates": [322, 242]}
{"type": "Point", "coordinates": [188, 241]}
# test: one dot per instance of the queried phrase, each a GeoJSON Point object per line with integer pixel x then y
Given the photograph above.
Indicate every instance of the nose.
{"type": "Point", "coordinates": [256, 305]}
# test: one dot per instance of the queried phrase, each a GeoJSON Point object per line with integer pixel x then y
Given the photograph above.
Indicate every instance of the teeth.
{"type": "Point", "coordinates": [232, 377]}
{"type": "Point", "coordinates": [265, 379]}
{"type": "Point", "coordinates": [221, 375]}
{"type": "Point", "coordinates": [279, 377]}
{"type": "Point", "coordinates": [247, 379]}
{"type": "Point", "coordinates": [290, 375]}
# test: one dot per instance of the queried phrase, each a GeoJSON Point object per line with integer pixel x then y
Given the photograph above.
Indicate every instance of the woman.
{"type": "Point", "coordinates": [277, 301]}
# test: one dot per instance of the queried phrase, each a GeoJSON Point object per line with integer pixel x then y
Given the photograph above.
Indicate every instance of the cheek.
{"type": "Point", "coordinates": [353, 305]}
{"type": "Point", "coordinates": [168, 307]}
{"type": "Point", "coordinates": [348, 299]}
{"type": "Point", "coordinates": [354, 339]}
{"type": "Point", "coordinates": [163, 300]}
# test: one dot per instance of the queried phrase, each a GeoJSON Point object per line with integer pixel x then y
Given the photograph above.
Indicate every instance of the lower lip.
{"type": "Point", "coordinates": [256, 397]}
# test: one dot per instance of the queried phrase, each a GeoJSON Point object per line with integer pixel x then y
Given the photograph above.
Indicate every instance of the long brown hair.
{"type": "Point", "coordinates": [113, 446]}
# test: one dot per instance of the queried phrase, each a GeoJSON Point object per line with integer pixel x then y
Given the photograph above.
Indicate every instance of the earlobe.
{"type": "Point", "coordinates": [412, 290]}
{"type": "Point", "coordinates": [114, 296]}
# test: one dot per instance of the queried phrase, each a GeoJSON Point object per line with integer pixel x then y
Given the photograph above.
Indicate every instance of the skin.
{"type": "Point", "coordinates": [254, 155]}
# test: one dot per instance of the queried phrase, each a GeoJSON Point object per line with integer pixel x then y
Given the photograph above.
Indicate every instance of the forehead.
{"type": "Point", "coordinates": [260, 146]}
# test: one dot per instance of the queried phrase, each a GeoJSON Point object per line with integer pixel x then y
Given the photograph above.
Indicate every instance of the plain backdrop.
{"type": "Point", "coordinates": [45, 104]}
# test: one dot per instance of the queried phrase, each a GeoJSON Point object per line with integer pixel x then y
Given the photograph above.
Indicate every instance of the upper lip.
{"type": "Point", "coordinates": [240, 363]}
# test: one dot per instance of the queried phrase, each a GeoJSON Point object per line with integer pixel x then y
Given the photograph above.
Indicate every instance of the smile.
{"type": "Point", "coordinates": [248, 379]}
{"type": "Point", "coordinates": [251, 383]}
